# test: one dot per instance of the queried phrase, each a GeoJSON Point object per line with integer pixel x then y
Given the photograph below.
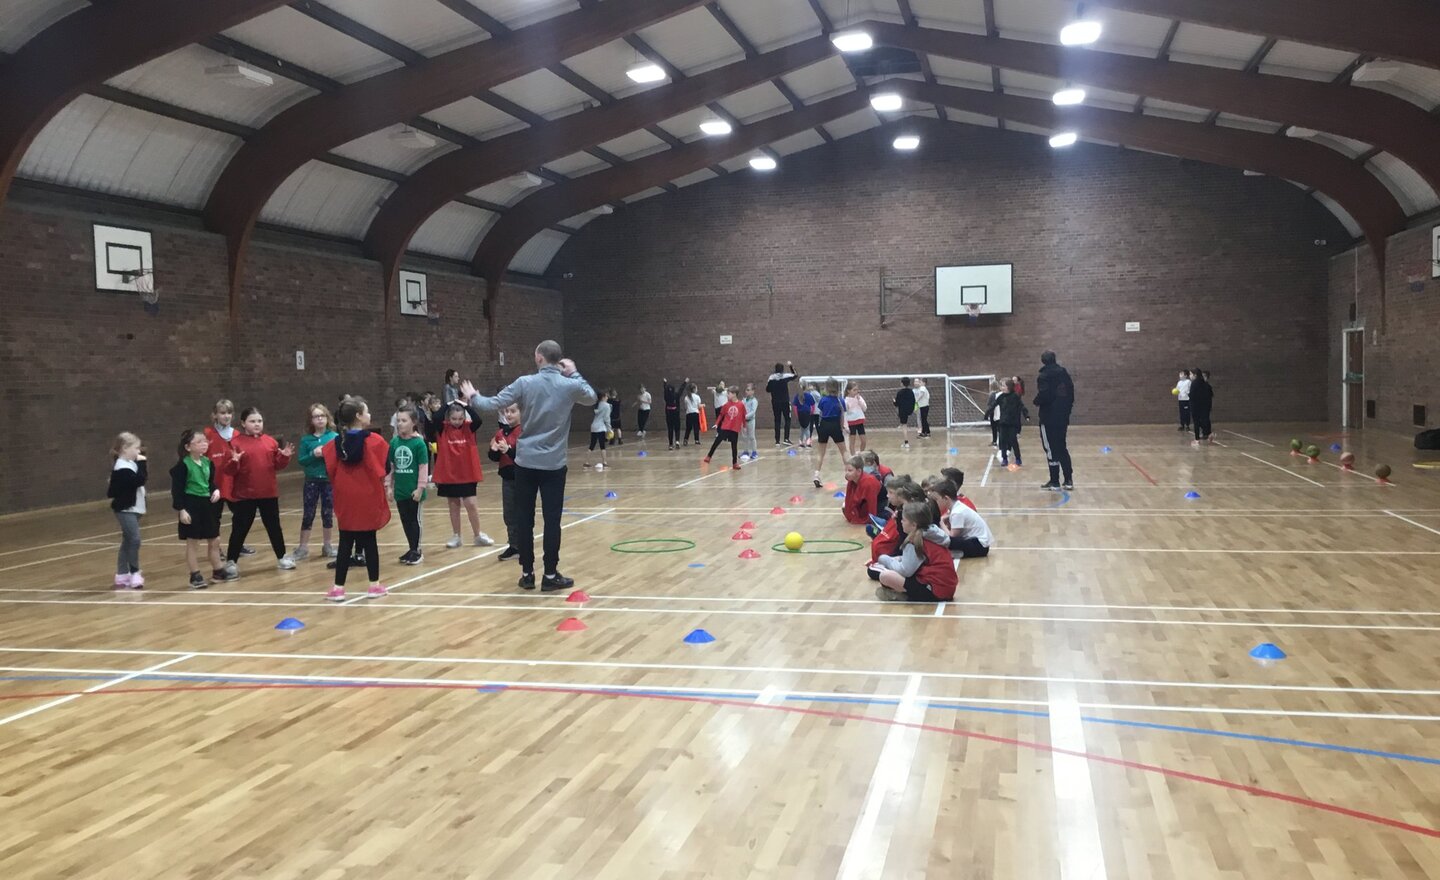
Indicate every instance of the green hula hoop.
{"type": "Point", "coordinates": [851, 547]}
{"type": "Point", "coordinates": [688, 545]}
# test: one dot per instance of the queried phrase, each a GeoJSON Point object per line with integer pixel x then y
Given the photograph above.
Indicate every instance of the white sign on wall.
{"type": "Point", "coordinates": [1132, 326]}
{"type": "Point", "coordinates": [299, 360]}
{"type": "Point", "coordinates": [726, 340]}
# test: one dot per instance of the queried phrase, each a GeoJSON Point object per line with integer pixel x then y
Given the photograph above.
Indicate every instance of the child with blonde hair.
{"type": "Point", "coordinates": [317, 492]}
{"type": "Point", "coordinates": [126, 492]}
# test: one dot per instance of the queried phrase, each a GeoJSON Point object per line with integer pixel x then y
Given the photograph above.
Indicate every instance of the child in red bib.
{"type": "Point", "coordinates": [862, 493]}
{"type": "Point", "coordinates": [357, 462]}
{"type": "Point", "coordinates": [729, 424]}
{"type": "Point", "coordinates": [924, 570]}
{"type": "Point", "coordinates": [457, 469]}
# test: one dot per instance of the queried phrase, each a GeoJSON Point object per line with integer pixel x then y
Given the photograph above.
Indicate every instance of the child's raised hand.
{"type": "Point", "coordinates": [287, 450]}
{"type": "Point", "coordinates": [184, 517]}
{"type": "Point", "coordinates": [235, 455]}
{"type": "Point", "coordinates": [467, 390]}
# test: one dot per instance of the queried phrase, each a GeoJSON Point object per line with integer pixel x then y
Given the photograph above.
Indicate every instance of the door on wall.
{"type": "Point", "coordinates": [1354, 379]}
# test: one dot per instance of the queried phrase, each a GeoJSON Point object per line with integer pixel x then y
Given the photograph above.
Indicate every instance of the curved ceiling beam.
{"type": "Point", "coordinates": [553, 204]}
{"type": "Point", "coordinates": [89, 46]}
{"type": "Point", "coordinates": [1386, 121]}
{"type": "Point", "coordinates": [1359, 192]}
{"type": "Point", "coordinates": [1405, 30]}
{"type": "Point", "coordinates": [318, 124]}
{"type": "Point", "coordinates": [461, 171]}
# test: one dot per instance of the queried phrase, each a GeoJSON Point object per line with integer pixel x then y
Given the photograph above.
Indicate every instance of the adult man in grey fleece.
{"type": "Point", "coordinates": [547, 400]}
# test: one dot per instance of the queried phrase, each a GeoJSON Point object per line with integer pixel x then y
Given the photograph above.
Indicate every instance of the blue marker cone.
{"type": "Point", "coordinates": [611, 494]}
{"type": "Point", "coordinates": [696, 565]}
{"type": "Point", "coordinates": [1106, 449]}
{"type": "Point", "coordinates": [641, 454]}
{"type": "Point", "coordinates": [839, 495]}
{"type": "Point", "coordinates": [1336, 447]}
{"type": "Point", "coordinates": [954, 451]}
{"type": "Point", "coordinates": [1192, 495]}
{"type": "Point", "coordinates": [790, 452]}
{"type": "Point", "coordinates": [1267, 651]}
{"type": "Point", "coordinates": [699, 637]}
{"type": "Point", "coordinates": [289, 624]}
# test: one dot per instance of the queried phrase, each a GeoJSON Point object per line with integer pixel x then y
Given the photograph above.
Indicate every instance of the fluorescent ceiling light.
{"type": "Point", "coordinates": [603, 209]}
{"type": "Point", "coordinates": [412, 139]}
{"type": "Point", "coordinates": [1064, 139]}
{"type": "Point", "coordinates": [240, 75]}
{"type": "Point", "coordinates": [1249, 173]}
{"type": "Point", "coordinates": [852, 41]}
{"type": "Point", "coordinates": [646, 73]}
{"type": "Point", "coordinates": [524, 180]}
{"type": "Point", "coordinates": [1296, 131]}
{"type": "Point", "coordinates": [1376, 71]}
{"type": "Point", "coordinates": [1080, 33]}
{"type": "Point", "coordinates": [886, 102]}
{"type": "Point", "coordinates": [715, 127]}
{"type": "Point", "coordinates": [763, 163]}
{"type": "Point", "coordinates": [907, 142]}
{"type": "Point", "coordinates": [1068, 97]}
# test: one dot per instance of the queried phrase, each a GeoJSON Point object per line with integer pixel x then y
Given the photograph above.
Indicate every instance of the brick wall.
{"type": "Point", "coordinates": [80, 365]}
{"type": "Point", "coordinates": [1402, 357]}
{"type": "Point", "coordinates": [1219, 269]}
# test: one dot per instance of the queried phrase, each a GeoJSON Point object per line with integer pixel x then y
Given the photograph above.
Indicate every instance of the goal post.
{"type": "Point", "coordinates": [966, 400]}
{"type": "Point", "coordinates": [879, 391]}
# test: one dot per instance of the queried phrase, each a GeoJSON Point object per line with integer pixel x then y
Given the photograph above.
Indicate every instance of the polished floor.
{"type": "Point", "coordinates": [1087, 708]}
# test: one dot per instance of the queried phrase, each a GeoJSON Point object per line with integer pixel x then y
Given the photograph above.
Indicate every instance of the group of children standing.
{"type": "Point", "coordinates": [350, 475]}
{"type": "Point", "coordinates": [918, 532]}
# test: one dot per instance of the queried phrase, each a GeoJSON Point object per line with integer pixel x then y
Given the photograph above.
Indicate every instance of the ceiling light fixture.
{"type": "Point", "coordinates": [603, 210]}
{"type": "Point", "coordinates": [411, 139]}
{"type": "Point", "coordinates": [886, 102]}
{"type": "Point", "coordinates": [715, 127]}
{"type": "Point", "coordinates": [1064, 139]}
{"type": "Point", "coordinates": [1080, 33]}
{"type": "Point", "coordinates": [763, 163]}
{"type": "Point", "coordinates": [240, 75]}
{"type": "Point", "coordinates": [648, 72]}
{"type": "Point", "coordinates": [1068, 97]}
{"type": "Point", "coordinates": [907, 142]}
{"type": "Point", "coordinates": [1296, 131]}
{"type": "Point", "coordinates": [524, 180]}
{"type": "Point", "coordinates": [852, 41]}
{"type": "Point", "coordinates": [1376, 71]}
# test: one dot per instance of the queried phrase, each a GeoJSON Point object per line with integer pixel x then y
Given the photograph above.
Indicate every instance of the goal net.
{"type": "Point", "coordinates": [879, 391]}
{"type": "Point", "coordinates": [966, 399]}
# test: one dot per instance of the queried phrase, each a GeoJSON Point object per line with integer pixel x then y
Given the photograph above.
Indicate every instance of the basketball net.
{"type": "Point", "coordinates": [144, 282]}
{"type": "Point", "coordinates": [972, 312]}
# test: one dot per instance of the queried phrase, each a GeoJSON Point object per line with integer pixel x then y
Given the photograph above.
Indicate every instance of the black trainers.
{"type": "Point", "coordinates": [197, 581]}
{"type": "Point", "coordinates": [416, 558]}
{"type": "Point", "coordinates": [1068, 486]}
{"type": "Point", "coordinates": [222, 574]}
{"type": "Point", "coordinates": [404, 558]}
{"type": "Point", "coordinates": [557, 581]}
{"type": "Point", "coordinates": [247, 551]}
{"type": "Point", "coordinates": [509, 553]}
{"type": "Point", "coordinates": [527, 581]}
{"type": "Point", "coordinates": [1050, 486]}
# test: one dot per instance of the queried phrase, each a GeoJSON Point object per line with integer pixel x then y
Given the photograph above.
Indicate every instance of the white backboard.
{"type": "Point", "coordinates": [121, 249]}
{"type": "Point", "coordinates": [414, 298]}
{"type": "Point", "coordinates": [987, 285]}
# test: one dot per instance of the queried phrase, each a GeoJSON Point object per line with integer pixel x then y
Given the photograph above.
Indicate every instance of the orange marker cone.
{"type": "Point", "coordinates": [747, 524]}
{"type": "Point", "coordinates": [749, 554]}
{"type": "Point", "coordinates": [741, 535]}
{"type": "Point", "coordinates": [570, 625]}
{"type": "Point", "coordinates": [777, 511]}
{"type": "Point", "coordinates": [796, 499]}
{"type": "Point", "coordinates": [579, 596]}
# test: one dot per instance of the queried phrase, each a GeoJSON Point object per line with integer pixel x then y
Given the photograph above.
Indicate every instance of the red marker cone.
{"type": "Point", "coordinates": [749, 554]}
{"type": "Point", "coordinates": [570, 625]}
{"type": "Point", "coordinates": [796, 499]}
{"type": "Point", "coordinates": [777, 511]}
{"type": "Point", "coordinates": [579, 596]}
{"type": "Point", "coordinates": [741, 535]}
{"type": "Point", "coordinates": [747, 524]}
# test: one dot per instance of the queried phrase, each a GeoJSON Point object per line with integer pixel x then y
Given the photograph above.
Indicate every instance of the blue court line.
{"type": "Point", "coordinates": [742, 695]}
{"type": "Point", "coordinates": [1064, 499]}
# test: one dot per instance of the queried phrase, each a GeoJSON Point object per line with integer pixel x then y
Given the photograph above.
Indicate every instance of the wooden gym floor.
{"type": "Point", "coordinates": [1086, 709]}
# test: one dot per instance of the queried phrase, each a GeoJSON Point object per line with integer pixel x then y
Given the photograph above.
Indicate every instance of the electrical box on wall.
{"type": "Point", "coordinates": [1132, 326]}
{"type": "Point", "coordinates": [726, 340]}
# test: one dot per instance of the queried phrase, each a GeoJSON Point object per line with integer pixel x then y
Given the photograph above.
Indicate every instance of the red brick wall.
{"type": "Point", "coordinates": [1402, 356]}
{"type": "Point", "coordinates": [1219, 269]}
{"type": "Point", "coordinates": [80, 365]}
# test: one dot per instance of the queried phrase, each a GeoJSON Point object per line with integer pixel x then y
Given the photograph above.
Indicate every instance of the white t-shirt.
{"type": "Point", "coordinates": [854, 409]}
{"type": "Point", "coordinates": [922, 396]}
{"type": "Point", "coordinates": [1184, 387]}
{"type": "Point", "coordinates": [968, 524]}
{"type": "Point", "coordinates": [645, 400]}
{"type": "Point", "coordinates": [721, 398]}
{"type": "Point", "coordinates": [693, 403]}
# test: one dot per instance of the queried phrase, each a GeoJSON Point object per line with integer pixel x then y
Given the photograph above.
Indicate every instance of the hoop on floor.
{"type": "Point", "coordinates": [851, 547]}
{"type": "Point", "coordinates": [687, 545]}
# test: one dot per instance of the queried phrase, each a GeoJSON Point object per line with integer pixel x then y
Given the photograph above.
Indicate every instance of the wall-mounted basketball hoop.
{"type": "Point", "coordinates": [973, 311]}
{"type": "Point", "coordinates": [143, 281]}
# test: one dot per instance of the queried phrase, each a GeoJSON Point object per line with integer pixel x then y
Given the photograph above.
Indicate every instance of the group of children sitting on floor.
{"type": "Point", "coordinates": [917, 532]}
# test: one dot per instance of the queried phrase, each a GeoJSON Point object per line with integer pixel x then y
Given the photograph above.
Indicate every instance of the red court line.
{"type": "Point", "coordinates": [1170, 773]}
{"type": "Point", "coordinates": [1141, 470]}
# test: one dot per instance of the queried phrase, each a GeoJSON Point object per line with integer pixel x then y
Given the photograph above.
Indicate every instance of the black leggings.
{"type": "Point", "coordinates": [409, 521]}
{"type": "Point", "coordinates": [672, 426]}
{"type": "Point", "coordinates": [781, 410]}
{"type": "Point", "coordinates": [641, 420]}
{"type": "Point", "coordinates": [721, 437]}
{"type": "Point", "coordinates": [1202, 424]}
{"type": "Point", "coordinates": [597, 437]}
{"type": "Point", "coordinates": [1010, 442]}
{"type": "Point", "coordinates": [924, 420]}
{"type": "Point", "coordinates": [692, 423]}
{"type": "Point", "coordinates": [242, 517]}
{"type": "Point", "coordinates": [357, 542]}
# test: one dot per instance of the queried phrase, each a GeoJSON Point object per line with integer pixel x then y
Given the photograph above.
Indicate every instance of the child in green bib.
{"type": "Point", "coordinates": [409, 472]}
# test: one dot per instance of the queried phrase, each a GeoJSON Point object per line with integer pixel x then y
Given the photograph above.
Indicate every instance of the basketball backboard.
{"type": "Point", "coordinates": [413, 295]}
{"type": "Point", "coordinates": [122, 255]}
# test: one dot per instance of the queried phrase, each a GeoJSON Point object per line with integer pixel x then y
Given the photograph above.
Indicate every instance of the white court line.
{"type": "Point", "coordinates": [697, 667]}
{"type": "Point", "coordinates": [724, 469]}
{"type": "Point", "coordinates": [939, 700]}
{"type": "Point", "coordinates": [1248, 437]}
{"type": "Point", "coordinates": [381, 605]}
{"type": "Point", "coordinates": [90, 690]}
{"type": "Point", "coordinates": [1077, 826]}
{"type": "Point", "coordinates": [939, 610]}
{"type": "Point", "coordinates": [770, 695]}
{"type": "Point", "coordinates": [1414, 523]}
{"type": "Point", "coordinates": [865, 853]}
{"type": "Point", "coordinates": [985, 477]}
{"type": "Point", "coordinates": [1283, 470]}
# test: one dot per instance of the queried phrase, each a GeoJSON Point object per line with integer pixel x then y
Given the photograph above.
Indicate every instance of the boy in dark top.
{"type": "Point", "coordinates": [904, 409]}
{"type": "Point", "coordinates": [1007, 411]}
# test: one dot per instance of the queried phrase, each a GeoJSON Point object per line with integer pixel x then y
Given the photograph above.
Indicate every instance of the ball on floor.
{"type": "Point", "coordinates": [1347, 460]}
{"type": "Point", "coordinates": [1383, 472]}
{"type": "Point", "coordinates": [794, 541]}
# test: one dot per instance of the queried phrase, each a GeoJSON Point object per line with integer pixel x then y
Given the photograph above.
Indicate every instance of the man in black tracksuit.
{"type": "Point", "coordinates": [779, 387]}
{"type": "Point", "coordinates": [1055, 397]}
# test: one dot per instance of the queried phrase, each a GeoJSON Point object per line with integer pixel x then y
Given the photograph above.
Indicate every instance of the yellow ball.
{"type": "Point", "coordinates": [794, 541]}
{"type": "Point", "coordinates": [1175, 391]}
{"type": "Point", "coordinates": [609, 435]}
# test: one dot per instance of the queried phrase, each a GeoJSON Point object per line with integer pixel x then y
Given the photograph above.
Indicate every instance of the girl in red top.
{"type": "Point", "coordinates": [502, 452]}
{"type": "Point", "coordinates": [862, 493]}
{"type": "Point", "coordinates": [924, 571]}
{"type": "Point", "coordinates": [357, 463]}
{"type": "Point", "coordinates": [729, 423]}
{"type": "Point", "coordinates": [457, 469]}
{"type": "Point", "coordinates": [220, 432]}
{"type": "Point", "coordinates": [257, 458]}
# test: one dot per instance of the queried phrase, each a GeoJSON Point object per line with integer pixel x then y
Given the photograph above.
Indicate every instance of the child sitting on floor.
{"type": "Point", "coordinates": [923, 572]}
{"type": "Point", "coordinates": [873, 465]}
{"type": "Point", "coordinates": [886, 537]}
{"type": "Point", "coordinates": [969, 535]}
{"type": "Point", "coordinates": [957, 476]}
{"type": "Point", "coordinates": [862, 493]}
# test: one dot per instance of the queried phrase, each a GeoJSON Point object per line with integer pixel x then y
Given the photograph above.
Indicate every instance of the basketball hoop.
{"type": "Point", "coordinates": [972, 311]}
{"type": "Point", "coordinates": [144, 283]}
{"type": "Point", "coordinates": [432, 314]}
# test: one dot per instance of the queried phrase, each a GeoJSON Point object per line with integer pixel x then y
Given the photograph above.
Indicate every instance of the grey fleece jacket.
{"type": "Point", "coordinates": [547, 400]}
